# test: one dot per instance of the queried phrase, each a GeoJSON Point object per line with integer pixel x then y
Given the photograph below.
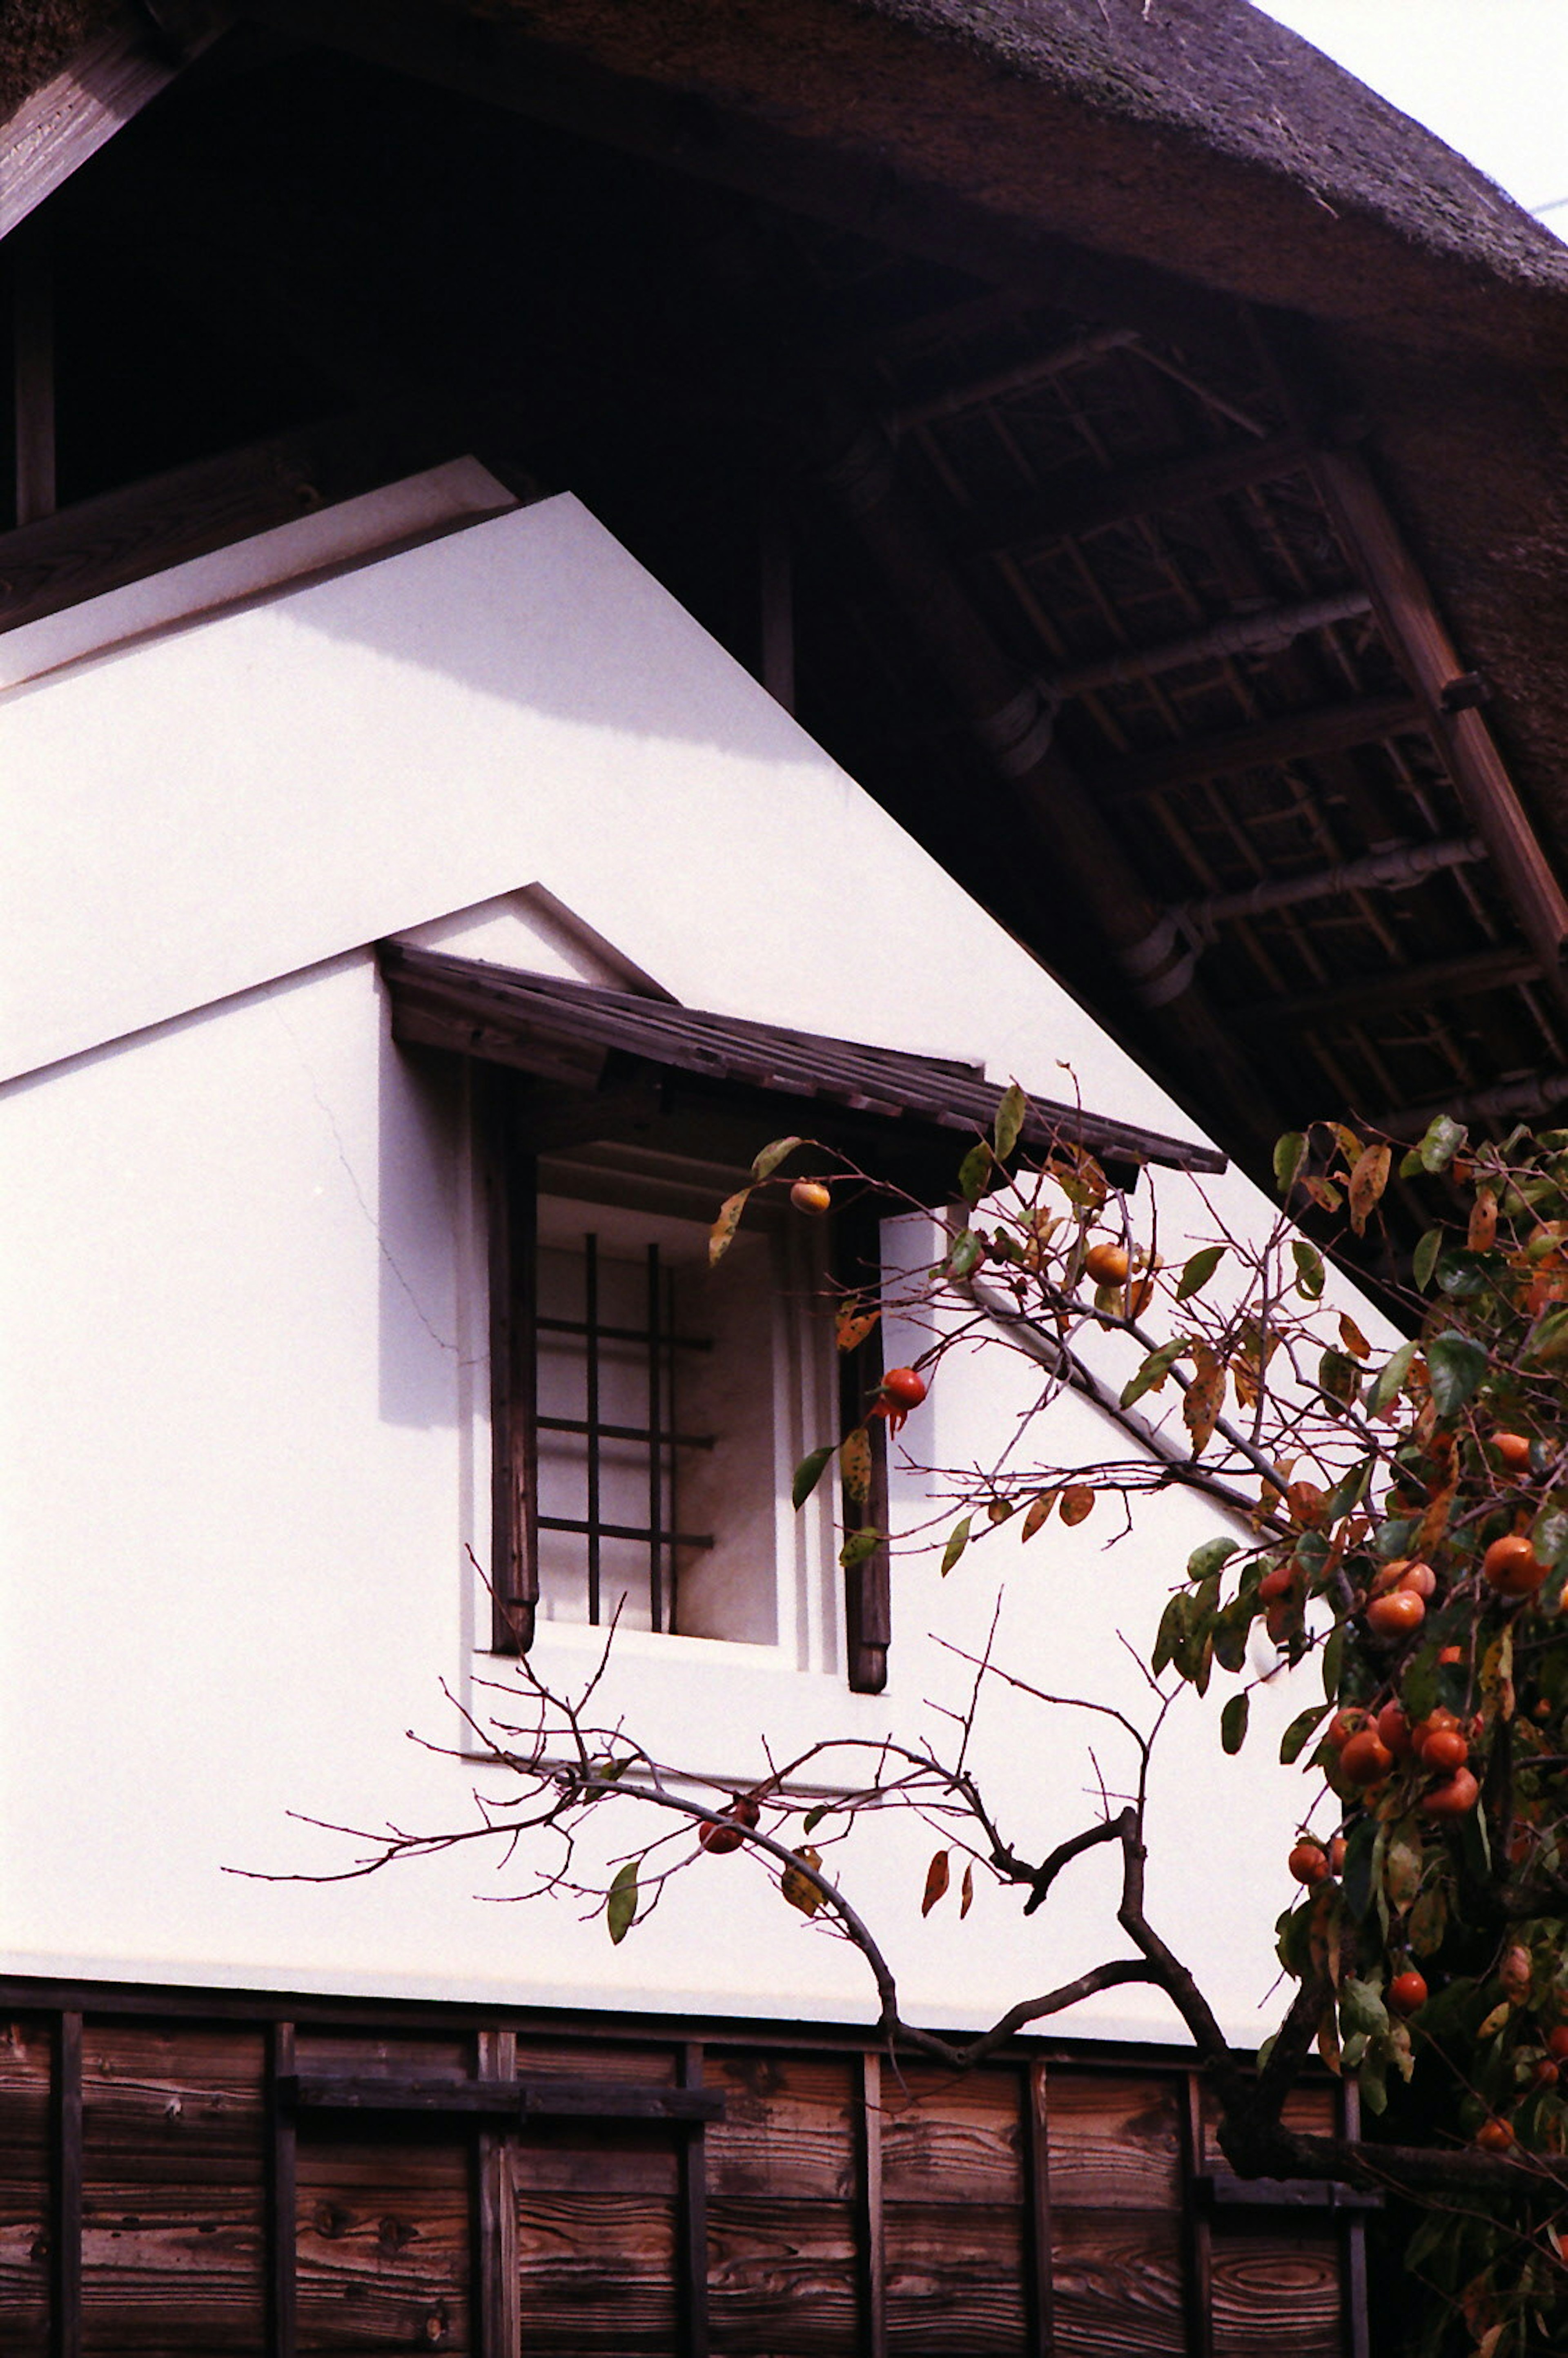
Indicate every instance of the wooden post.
{"type": "Point", "coordinates": [1358, 2331]}
{"type": "Point", "coordinates": [32, 300]}
{"type": "Point", "coordinates": [691, 2223]}
{"type": "Point", "coordinates": [868, 1585]}
{"type": "Point", "coordinates": [66, 2224]}
{"type": "Point", "coordinates": [281, 2193]}
{"type": "Point", "coordinates": [511, 1190]}
{"type": "Point", "coordinates": [498, 2293]}
{"type": "Point", "coordinates": [870, 2241]}
{"type": "Point", "coordinates": [1197, 2234]}
{"type": "Point", "coordinates": [1037, 2287]}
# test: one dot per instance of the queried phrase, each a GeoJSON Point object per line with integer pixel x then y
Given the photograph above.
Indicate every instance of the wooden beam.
{"type": "Point", "coordinates": [282, 2183]}
{"type": "Point", "coordinates": [32, 314]}
{"type": "Point", "coordinates": [1197, 2276]}
{"type": "Point", "coordinates": [1265, 634]}
{"type": "Point", "coordinates": [535, 2100]}
{"type": "Point", "coordinates": [1426, 654]}
{"type": "Point", "coordinates": [65, 2226]}
{"type": "Point", "coordinates": [125, 535]}
{"type": "Point", "coordinates": [1068, 513]}
{"type": "Point", "coordinates": [1386, 993]}
{"type": "Point", "coordinates": [105, 86]}
{"type": "Point", "coordinates": [1290, 737]}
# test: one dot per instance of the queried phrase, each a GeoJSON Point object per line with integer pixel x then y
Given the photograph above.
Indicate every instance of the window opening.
{"type": "Point", "coordinates": [587, 1360]}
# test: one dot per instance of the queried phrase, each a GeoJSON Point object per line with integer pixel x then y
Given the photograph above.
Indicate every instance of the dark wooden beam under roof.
{"type": "Point", "coordinates": [1289, 737]}
{"type": "Point", "coordinates": [1390, 993]}
{"type": "Point", "coordinates": [1068, 512]}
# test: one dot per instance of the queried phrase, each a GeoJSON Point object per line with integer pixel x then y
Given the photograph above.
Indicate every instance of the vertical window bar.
{"type": "Point", "coordinates": [590, 1320]}
{"type": "Point", "coordinates": [656, 1448]}
{"type": "Point", "coordinates": [675, 1451]}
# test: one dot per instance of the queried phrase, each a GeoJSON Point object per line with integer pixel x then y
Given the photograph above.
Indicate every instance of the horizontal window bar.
{"type": "Point", "coordinates": [625, 1432]}
{"type": "Point", "coordinates": [621, 1532]}
{"type": "Point", "coordinates": [621, 1334]}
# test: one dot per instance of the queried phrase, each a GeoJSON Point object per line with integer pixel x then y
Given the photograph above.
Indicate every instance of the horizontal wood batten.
{"type": "Point", "coordinates": [540, 2100]}
{"type": "Point", "coordinates": [1288, 737]}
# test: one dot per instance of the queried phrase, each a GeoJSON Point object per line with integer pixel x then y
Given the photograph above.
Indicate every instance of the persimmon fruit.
{"type": "Point", "coordinates": [1396, 1614]}
{"type": "Point", "coordinates": [1513, 1448]}
{"type": "Point", "coordinates": [1308, 1862]}
{"type": "Point", "coordinates": [810, 1196]}
{"type": "Point", "coordinates": [718, 1840]}
{"type": "Point", "coordinates": [1494, 2137]}
{"type": "Point", "coordinates": [1454, 1798]}
{"type": "Point", "coordinates": [1365, 1757]}
{"type": "Point", "coordinates": [1511, 1566]}
{"type": "Point", "coordinates": [1107, 1264]}
{"type": "Point", "coordinates": [1407, 1991]}
{"type": "Point", "coordinates": [1446, 1750]}
{"type": "Point", "coordinates": [905, 1387]}
{"type": "Point", "coordinates": [1394, 1730]}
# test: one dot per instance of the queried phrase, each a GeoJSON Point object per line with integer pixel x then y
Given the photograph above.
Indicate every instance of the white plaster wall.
{"type": "Point", "coordinates": [245, 1430]}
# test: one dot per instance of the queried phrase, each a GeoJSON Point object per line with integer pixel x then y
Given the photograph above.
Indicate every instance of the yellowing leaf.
{"type": "Point", "coordinates": [798, 1888]}
{"type": "Point", "coordinates": [1367, 1180]}
{"type": "Point", "coordinates": [1010, 1120]}
{"type": "Point", "coordinates": [621, 1908]}
{"type": "Point", "coordinates": [935, 1882]}
{"type": "Point", "coordinates": [967, 1891]}
{"type": "Point", "coordinates": [958, 1540]}
{"type": "Point", "coordinates": [1352, 1337]}
{"type": "Point", "coordinates": [1039, 1513]}
{"type": "Point", "coordinates": [1202, 1400]}
{"type": "Point", "coordinates": [853, 1328]}
{"type": "Point", "coordinates": [721, 1235]}
{"type": "Point", "coordinates": [1483, 1228]}
{"type": "Point", "coordinates": [1077, 1502]}
{"type": "Point", "coordinates": [855, 1465]}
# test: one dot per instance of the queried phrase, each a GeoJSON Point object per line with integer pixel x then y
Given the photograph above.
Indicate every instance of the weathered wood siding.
{"type": "Point", "coordinates": [287, 2179]}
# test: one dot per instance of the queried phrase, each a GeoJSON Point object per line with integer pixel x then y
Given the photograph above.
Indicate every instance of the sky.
{"type": "Point", "coordinates": [1489, 77]}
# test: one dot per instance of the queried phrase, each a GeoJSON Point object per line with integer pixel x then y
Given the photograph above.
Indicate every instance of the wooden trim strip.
{"type": "Point", "coordinates": [1415, 631]}
{"type": "Point", "coordinates": [870, 2241]}
{"type": "Point", "coordinates": [691, 2229]}
{"type": "Point", "coordinates": [282, 2178]}
{"type": "Point", "coordinates": [66, 2224]}
{"type": "Point", "coordinates": [538, 2100]}
{"type": "Point", "coordinates": [1037, 2260]}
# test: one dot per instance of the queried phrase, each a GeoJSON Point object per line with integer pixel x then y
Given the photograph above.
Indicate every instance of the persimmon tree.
{"type": "Point", "coordinates": [1396, 1542]}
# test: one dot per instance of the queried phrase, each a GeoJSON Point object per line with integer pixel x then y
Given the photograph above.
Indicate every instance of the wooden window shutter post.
{"type": "Point", "coordinates": [868, 1618]}
{"type": "Point", "coordinates": [511, 1198]}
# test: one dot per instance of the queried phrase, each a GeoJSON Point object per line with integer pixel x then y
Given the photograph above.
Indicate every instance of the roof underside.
{"type": "Point", "coordinates": [1155, 499]}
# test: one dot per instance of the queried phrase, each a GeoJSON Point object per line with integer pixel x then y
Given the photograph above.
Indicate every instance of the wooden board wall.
{"type": "Point", "coordinates": [164, 2191]}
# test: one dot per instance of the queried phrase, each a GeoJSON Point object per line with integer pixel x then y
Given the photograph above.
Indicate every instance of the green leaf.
{"type": "Point", "coordinates": [1423, 1261]}
{"type": "Point", "coordinates": [1198, 1270]}
{"type": "Point", "coordinates": [1290, 1153]}
{"type": "Point", "coordinates": [1388, 1381]}
{"type": "Point", "coordinates": [1334, 1663]}
{"type": "Point", "coordinates": [814, 1818]}
{"type": "Point", "coordinates": [958, 1540]}
{"type": "Point", "coordinates": [1419, 1684]}
{"type": "Point", "coordinates": [973, 1173]}
{"type": "Point", "coordinates": [1233, 1724]}
{"type": "Point", "coordinates": [1338, 1376]}
{"type": "Point", "coordinates": [1309, 1270]}
{"type": "Point", "coordinates": [858, 1547]}
{"type": "Point", "coordinates": [1294, 1737]}
{"type": "Point", "coordinates": [1549, 1343]}
{"type": "Point", "coordinates": [1442, 1143]}
{"type": "Point", "coordinates": [965, 1256]}
{"type": "Point", "coordinates": [1349, 1491]}
{"type": "Point", "coordinates": [1174, 1624]}
{"type": "Point", "coordinates": [621, 1909]}
{"type": "Point", "coordinates": [1549, 1534]}
{"type": "Point", "coordinates": [1361, 1877]}
{"type": "Point", "coordinates": [1010, 1115]}
{"type": "Point", "coordinates": [1456, 1364]}
{"type": "Point", "coordinates": [808, 1474]}
{"type": "Point", "coordinates": [1210, 1557]}
{"type": "Point", "coordinates": [768, 1162]}
{"type": "Point", "coordinates": [1153, 1371]}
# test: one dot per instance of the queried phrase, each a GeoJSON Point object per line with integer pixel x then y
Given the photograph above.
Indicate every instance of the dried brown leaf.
{"type": "Point", "coordinates": [935, 1882]}
{"type": "Point", "coordinates": [1367, 1182]}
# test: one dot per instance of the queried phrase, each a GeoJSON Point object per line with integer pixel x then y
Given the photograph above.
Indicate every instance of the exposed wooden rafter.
{"type": "Point", "coordinates": [1372, 995]}
{"type": "Point", "coordinates": [1292, 737]}
{"type": "Point", "coordinates": [1068, 513]}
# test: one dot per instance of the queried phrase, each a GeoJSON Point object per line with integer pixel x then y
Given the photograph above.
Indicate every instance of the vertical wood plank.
{"type": "Point", "coordinates": [1196, 2235]}
{"type": "Point", "coordinates": [66, 2224]}
{"type": "Point", "coordinates": [1358, 2331]}
{"type": "Point", "coordinates": [691, 2224]}
{"type": "Point", "coordinates": [33, 323]}
{"type": "Point", "coordinates": [499, 2292]}
{"type": "Point", "coordinates": [867, 1587]}
{"type": "Point", "coordinates": [282, 2178]}
{"type": "Point", "coordinates": [870, 2241]}
{"type": "Point", "coordinates": [1035, 2096]}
